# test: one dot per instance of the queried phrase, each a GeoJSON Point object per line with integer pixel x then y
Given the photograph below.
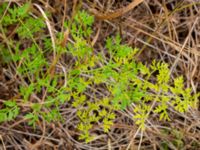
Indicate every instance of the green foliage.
{"type": "Point", "coordinates": [14, 14]}
{"type": "Point", "coordinates": [120, 75]}
{"type": "Point", "coordinates": [86, 73]}
{"type": "Point", "coordinates": [141, 116]}
{"type": "Point", "coordinates": [81, 26]}
{"type": "Point", "coordinates": [30, 26]}
{"type": "Point", "coordinates": [93, 114]}
{"type": "Point", "coordinates": [32, 65]}
{"type": "Point", "coordinates": [9, 112]}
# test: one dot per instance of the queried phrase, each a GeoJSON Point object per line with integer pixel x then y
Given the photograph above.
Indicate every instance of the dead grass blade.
{"type": "Point", "coordinates": [117, 13]}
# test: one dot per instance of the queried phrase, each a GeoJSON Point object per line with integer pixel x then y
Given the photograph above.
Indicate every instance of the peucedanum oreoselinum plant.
{"type": "Point", "coordinates": [48, 82]}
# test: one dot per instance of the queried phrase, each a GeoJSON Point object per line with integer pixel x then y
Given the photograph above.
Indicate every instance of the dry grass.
{"type": "Point", "coordinates": [167, 30]}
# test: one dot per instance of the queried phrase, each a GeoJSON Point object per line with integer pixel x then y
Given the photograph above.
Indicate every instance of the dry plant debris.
{"type": "Point", "coordinates": [99, 74]}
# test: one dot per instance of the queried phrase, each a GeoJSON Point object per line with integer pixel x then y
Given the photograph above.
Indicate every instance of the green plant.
{"type": "Point", "coordinates": [124, 80]}
{"type": "Point", "coordinates": [31, 64]}
{"type": "Point", "coordinates": [9, 112]}
{"type": "Point", "coordinates": [120, 74]}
